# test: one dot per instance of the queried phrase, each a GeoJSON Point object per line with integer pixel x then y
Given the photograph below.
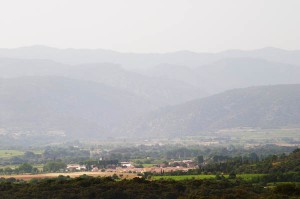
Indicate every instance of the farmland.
{"type": "Point", "coordinates": [246, 177]}
{"type": "Point", "coordinates": [184, 177]}
{"type": "Point", "coordinates": [14, 153]}
{"type": "Point", "coordinates": [10, 153]}
{"type": "Point", "coordinates": [148, 165]}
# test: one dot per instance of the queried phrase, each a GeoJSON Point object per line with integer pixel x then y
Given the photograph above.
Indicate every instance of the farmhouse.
{"type": "Point", "coordinates": [126, 164]}
{"type": "Point", "coordinates": [76, 167]}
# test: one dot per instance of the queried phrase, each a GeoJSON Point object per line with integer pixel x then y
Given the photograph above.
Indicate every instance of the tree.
{"type": "Point", "coordinates": [29, 154]}
{"type": "Point", "coordinates": [54, 166]}
{"type": "Point", "coordinates": [115, 177]}
{"type": "Point", "coordinates": [200, 159]}
{"type": "Point", "coordinates": [25, 168]}
{"type": "Point", "coordinates": [232, 175]}
{"type": "Point", "coordinates": [8, 170]}
{"type": "Point", "coordinates": [254, 157]}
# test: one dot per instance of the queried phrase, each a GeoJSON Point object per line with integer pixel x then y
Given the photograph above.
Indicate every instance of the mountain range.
{"type": "Point", "coordinates": [144, 60]}
{"type": "Point", "coordinates": [267, 107]}
{"type": "Point", "coordinates": [100, 93]}
{"type": "Point", "coordinates": [160, 91]}
{"type": "Point", "coordinates": [79, 108]}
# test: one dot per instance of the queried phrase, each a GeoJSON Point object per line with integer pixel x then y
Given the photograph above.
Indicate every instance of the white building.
{"type": "Point", "coordinates": [126, 164]}
{"type": "Point", "coordinates": [76, 167]}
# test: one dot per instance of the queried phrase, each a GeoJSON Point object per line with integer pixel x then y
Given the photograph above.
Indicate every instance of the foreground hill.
{"type": "Point", "coordinates": [257, 107]}
{"type": "Point", "coordinates": [78, 108]}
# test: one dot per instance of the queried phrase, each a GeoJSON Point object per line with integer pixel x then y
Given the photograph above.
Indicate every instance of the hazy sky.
{"type": "Point", "coordinates": [151, 25]}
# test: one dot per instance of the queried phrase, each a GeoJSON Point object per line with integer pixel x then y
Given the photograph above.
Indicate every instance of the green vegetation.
{"type": "Point", "coordinates": [148, 165]}
{"type": "Point", "coordinates": [246, 177]}
{"type": "Point", "coordinates": [231, 172]}
{"type": "Point", "coordinates": [23, 168]}
{"type": "Point", "coordinates": [249, 177]}
{"type": "Point", "coordinates": [26, 168]}
{"type": "Point", "coordinates": [109, 188]}
{"type": "Point", "coordinates": [54, 166]}
{"type": "Point", "coordinates": [184, 177]}
{"type": "Point", "coordinates": [10, 153]}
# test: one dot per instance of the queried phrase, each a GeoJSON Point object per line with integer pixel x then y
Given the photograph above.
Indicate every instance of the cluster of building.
{"type": "Point", "coordinates": [128, 167]}
{"type": "Point", "coordinates": [76, 167]}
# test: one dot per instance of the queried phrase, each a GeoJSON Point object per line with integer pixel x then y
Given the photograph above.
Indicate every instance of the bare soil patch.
{"type": "Point", "coordinates": [28, 177]}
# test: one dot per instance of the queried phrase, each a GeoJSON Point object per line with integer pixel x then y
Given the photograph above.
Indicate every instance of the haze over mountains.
{"type": "Point", "coordinates": [143, 60]}
{"type": "Point", "coordinates": [160, 91]}
{"type": "Point", "coordinates": [254, 107]}
{"type": "Point", "coordinates": [230, 73]}
{"type": "Point", "coordinates": [55, 103]}
{"type": "Point", "coordinates": [97, 92]}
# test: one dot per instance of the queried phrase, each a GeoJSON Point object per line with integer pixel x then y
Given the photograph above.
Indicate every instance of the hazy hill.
{"type": "Point", "coordinates": [97, 90]}
{"type": "Point", "coordinates": [175, 72]}
{"type": "Point", "coordinates": [127, 60]}
{"type": "Point", "coordinates": [12, 67]}
{"type": "Point", "coordinates": [257, 107]}
{"type": "Point", "coordinates": [80, 108]}
{"type": "Point", "coordinates": [160, 91]}
{"type": "Point", "coordinates": [163, 78]}
{"type": "Point", "coordinates": [143, 60]}
{"type": "Point", "coordinates": [229, 73]}
{"type": "Point", "coordinates": [269, 54]}
{"type": "Point", "coordinates": [232, 73]}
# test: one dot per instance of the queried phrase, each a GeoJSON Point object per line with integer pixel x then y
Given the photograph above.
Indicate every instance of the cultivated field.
{"type": "Point", "coordinates": [13, 153]}
{"type": "Point", "coordinates": [201, 177]}
{"type": "Point", "coordinates": [10, 153]}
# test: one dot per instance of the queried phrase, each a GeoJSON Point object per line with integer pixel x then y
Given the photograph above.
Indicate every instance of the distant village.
{"type": "Point", "coordinates": [130, 167]}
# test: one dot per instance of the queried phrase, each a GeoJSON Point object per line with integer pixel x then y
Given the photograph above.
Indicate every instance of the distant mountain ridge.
{"type": "Point", "coordinates": [255, 107]}
{"type": "Point", "coordinates": [97, 92]}
{"type": "Point", "coordinates": [192, 74]}
{"type": "Point", "coordinates": [159, 91]}
{"type": "Point", "coordinates": [137, 60]}
{"type": "Point", "coordinates": [229, 73]}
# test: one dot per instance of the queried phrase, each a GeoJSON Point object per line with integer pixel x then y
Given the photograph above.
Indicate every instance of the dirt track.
{"type": "Point", "coordinates": [27, 177]}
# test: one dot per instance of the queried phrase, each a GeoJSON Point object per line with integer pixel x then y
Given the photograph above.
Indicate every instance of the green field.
{"type": "Point", "coordinates": [37, 151]}
{"type": "Point", "coordinates": [148, 165]}
{"type": "Point", "coordinates": [281, 183]}
{"type": "Point", "coordinates": [4, 153]}
{"type": "Point", "coordinates": [10, 153]}
{"type": "Point", "coordinates": [201, 177]}
{"type": "Point", "coordinates": [184, 177]}
{"type": "Point", "coordinates": [14, 166]}
{"type": "Point", "coordinates": [248, 176]}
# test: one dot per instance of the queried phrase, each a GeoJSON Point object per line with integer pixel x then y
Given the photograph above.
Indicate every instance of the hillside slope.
{"type": "Point", "coordinates": [79, 108]}
{"type": "Point", "coordinates": [160, 91]}
{"type": "Point", "coordinates": [258, 107]}
{"type": "Point", "coordinates": [229, 73]}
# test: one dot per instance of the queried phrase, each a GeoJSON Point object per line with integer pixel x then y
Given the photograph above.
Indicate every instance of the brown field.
{"type": "Point", "coordinates": [28, 177]}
